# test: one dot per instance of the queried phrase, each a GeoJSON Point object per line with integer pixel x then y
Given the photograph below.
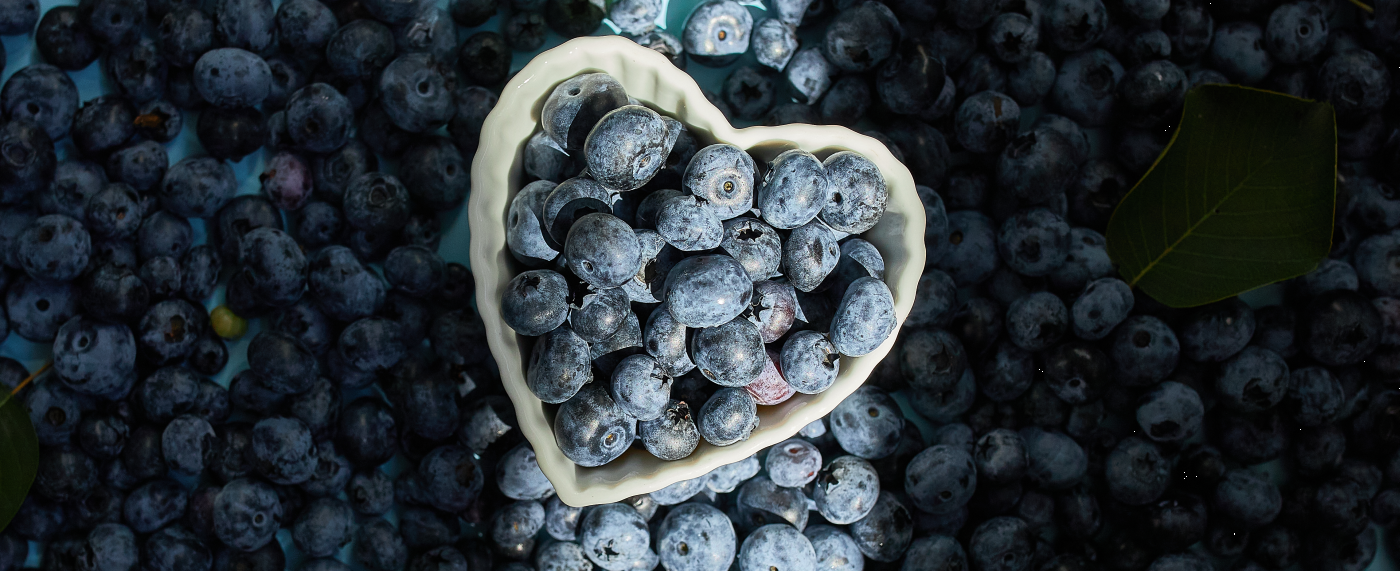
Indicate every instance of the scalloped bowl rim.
{"type": "Point", "coordinates": [652, 79]}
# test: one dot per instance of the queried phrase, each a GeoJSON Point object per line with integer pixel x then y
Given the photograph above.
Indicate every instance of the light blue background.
{"type": "Point", "coordinates": [91, 83]}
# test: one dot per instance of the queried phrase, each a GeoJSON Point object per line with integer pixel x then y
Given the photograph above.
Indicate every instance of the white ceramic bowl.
{"type": "Point", "coordinates": [652, 79]}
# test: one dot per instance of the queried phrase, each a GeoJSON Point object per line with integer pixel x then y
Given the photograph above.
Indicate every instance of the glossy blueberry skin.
{"type": "Point", "coordinates": [602, 250]}
{"type": "Point", "coordinates": [1238, 52]}
{"type": "Point", "coordinates": [525, 233]}
{"type": "Point", "coordinates": [986, 121]}
{"type": "Point", "coordinates": [971, 257]}
{"type": "Point", "coordinates": [1248, 497]}
{"type": "Point", "coordinates": [723, 175]}
{"type": "Point", "coordinates": [940, 479]}
{"type": "Point", "coordinates": [730, 354]}
{"type": "Point", "coordinates": [640, 388]}
{"type": "Point", "coordinates": [591, 429]}
{"type": "Point", "coordinates": [774, 42]}
{"type": "Point", "coordinates": [319, 118]}
{"type": "Point", "coordinates": [1086, 87]}
{"type": "Point", "coordinates": [232, 78]}
{"type": "Point", "coordinates": [247, 514]}
{"type": "Point", "coordinates": [858, 193]}
{"type": "Point", "coordinates": [576, 105]}
{"type": "Point", "coordinates": [1055, 460]}
{"type": "Point", "coordinates": [707, 291]}
{"type": "Point", "coordinates": [728, 417]}
{"type": "Point", "coordinates": [671, 436]}
{"type": "Point", "coordinates": [689, 224]}
{"type": "Point", "coordinates": [696, 537]}
{"type": "Point", "coordinates": [53, 248]}
{"type": "Point", "coordinates": [1036, 321]}
{"type": "Point", "coordinates": [810, 253]}
{"type": "Point", "coordinates": [571, 200]}
{"type": "Point", "coordinates": [1001, 544]}
{"type": "Point", "coordinates": [794, 191]}
{"type": "Point", "coordinates": [43, 94]}
{"type": "Point", "coordinates": [717, 32]}
{"type": "Point", "coordinates": [665, 339]}
{"type": "Point", "coordinates": [600, 314]}
{"type": "Point", "coordinates": [756, 245]}
{"type": "Point", "coordinates": [94, 358]}
{"type": "Point", "coordinates": [810, 75]}
{"type": "Point", "coordinates": [1340, 328]}
{"type": "Point", "coordinates": [867, 424]}
{"type": "Point", "coordinates": [535, 302]}
{"type": "Point", "coordinates": [1034, 242]}
{"type": "Point", "coordinates": [615, 535]}
{"type": "Point", "coordinates": [415, 91]}
{"type": "Point", "coordinates": [778, 546]}
{"type": "Point", "coordinates": [344, 287]}
{"type": "Point", "coordinates": [810, 362]}
{"type": "Point", "coordinates": [198, 187]}
{"type": "Point", "coordinates": [628, 146]}
{"type": "Point", "coordinates": [1143, 349]}
{"type": "Point", "coordinates": [283, 450]}
{"type": "Point", "coordinates": [864, 319]}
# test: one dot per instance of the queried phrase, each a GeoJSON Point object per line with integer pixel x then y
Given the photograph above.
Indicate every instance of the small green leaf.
{"type": "Point", "coordinates": [19, 456]}
{"type": "Point", "coordinates": [1241, 197]}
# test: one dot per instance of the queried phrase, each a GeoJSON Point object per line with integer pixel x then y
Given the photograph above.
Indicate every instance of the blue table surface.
{"type": "Point", "coordinates": [91, 83]}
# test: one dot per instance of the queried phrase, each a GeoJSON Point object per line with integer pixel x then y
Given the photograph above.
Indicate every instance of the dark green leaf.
{"type": "Point", "coordinates": [1241, 197]}
{"type": "Point", "coordinates": [19, 456]}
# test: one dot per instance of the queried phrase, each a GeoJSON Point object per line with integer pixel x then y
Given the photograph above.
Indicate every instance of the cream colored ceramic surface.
{"type": "Point", "coordinates": [652, 79]}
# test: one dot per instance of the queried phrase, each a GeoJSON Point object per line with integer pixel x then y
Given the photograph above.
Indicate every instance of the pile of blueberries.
{"type": "Point", "coordinates": [1037, 414]}
{"type": "Point", "coordinates": [717, 267]}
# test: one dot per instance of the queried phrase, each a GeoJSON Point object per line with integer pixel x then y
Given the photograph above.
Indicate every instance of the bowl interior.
{"type": "Point", "coordinates": [497, 174]}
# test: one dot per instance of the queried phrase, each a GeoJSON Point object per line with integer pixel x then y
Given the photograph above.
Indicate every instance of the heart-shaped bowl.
{"type": "Point", "coordinates": [497, 174]}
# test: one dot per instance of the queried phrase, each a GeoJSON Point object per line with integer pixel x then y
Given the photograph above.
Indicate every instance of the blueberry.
{"type": "Point", "coordinates": [809, 255]}
{"type": "Point", "coordinates": [1086, 87]}
{"type": "Point", "coordinates": [663, 43]}
{"type": "Point", "coordinates": [535, 302]}
{"type": "Point", "coordinates": [688, 223]}
{"type": "Point", "coordinates": [722, 175]}
{"type": "Point", "coordinates": [1104, 304]}
{"type": "Point", "coordinates": [286, 180]}
{"type": "Point", "coordinates": [885, 533]}
{"type": "Point", "coordinates": [1001, 544]}
{"type": "Point", "coordinates": [858, 193]}
{"type": "Point", "coordinates": [592, 430]}
{"type": "Point", "coordinates": [696, 537]}
{"type": "Point", "coordinates": [602, 250]}
{"type": "Point", "coordinates": [615, 537]}
{"type": "Point", "coordinates": [379, 547]}
{"type": "Point", "coordinates": [860, 38]}
{"type": "Point", "coordinates": [36, 309]}
{"type": "Point", "coordinates": [707, 291]}
{"type": "Point", "coordinates": [867, 423]}
{"type": "Point", "coordinates": [986, 121]}
{"type": "Point", "coordinates": [573, 18]}
{"type": "Point", "coordinates": [1296, 32]}
{"type": "Point", "coordinates": [232, 134]}
{"type": "Point", "coordinates": [810, 362]}
{"type": "Point", "coordinates": [811, 75]}
{"type": "Point", "coordinates": [680, 491]}
{"type": "Point", "coordinates": [42, 94]}
{"type": "Point", "coordinates": [274, 266]}
{"type": "Point", "coordinates": [560, 556]}
{"type": "Point", "coordinates": [761, 502]}
{"type": "Point", "coordinates": [1056, 461]}
{"type": "Point", "coordinates": [776, 546]}
{"type": "Point", "coordinates": [1216, 331]}
{"type": "Point", "coordinates": [756, 245]}
{"type": "Point", "coordinates": [576, 105]}
{"type": "Point", "coordinates": [665, 339]}
{"type": "Point", "coordinates": [1076, 24]}
{"type": "Point", "coordinates": [717, 32]}
{"type": "Point", "coordinates": [571, 200]}
{"type": "Point", "coordinates": [773, 309]}
{"type": "Point", "coordinates": [283, 450]}
{"type": "Point", "coordinates": [561, 520]}
{"type": "Point", "coordinates": [640, 388]}
{"type": "Point", "coordinates": [1247, 497]}
{"type": "Point", "coordinates": [524, 31]}
{"type": "Point", "coordinates": [1136, 472]}
{"type": "Point", "coordinates": [750, 91]}
{"type": "Point", "coordinates": [1152, 93]}
{"type": "Point", "coordinates": [415, 90]}
{"type": "Point", "coordinates": [63, 39]}
{"type": "Point", "coordinates": [847, 99]}
{"type": "Point", "coordinates": [519, 476]}
{"type": "Point", "coordinates": [232, 78]}
{"type": "Point", "coordinates": [319, 118]}
{"type": "Point", "coordinates": [728, 417]}
{"type": "Point", "coordinates": [304, 27]}
{"type": "Point", "coordinates": [141, 165]}
{"type": "Point", "coordinates": [1238, 52]}
{"type": "Point", "coordinates": [971, 256]}
{"type": "Point", "coordinates": [1340, 328]}
{"type": "Point", "coordinates": [1314, 397]}
{"type": "Point", "coordinates": [864, 319]}
{"type": "Point", "coordinates": [343, 286]}
{"type": "Point", "coordinates": [730, 354]}
{"type": "Point", "coordinates": [795, 190]}
{"type": "Point", "coordinates": [774, 42]}
{"type": "Point", "coordinates": [435, 173]}
{"type": "Point", "coordinates": [154, 504]}
{"type": "Point", "coordinates": [200, 187]}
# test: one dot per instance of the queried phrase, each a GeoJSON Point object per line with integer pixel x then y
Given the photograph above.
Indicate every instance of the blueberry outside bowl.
{"type": "Point", "coordinates": [650, 77]}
